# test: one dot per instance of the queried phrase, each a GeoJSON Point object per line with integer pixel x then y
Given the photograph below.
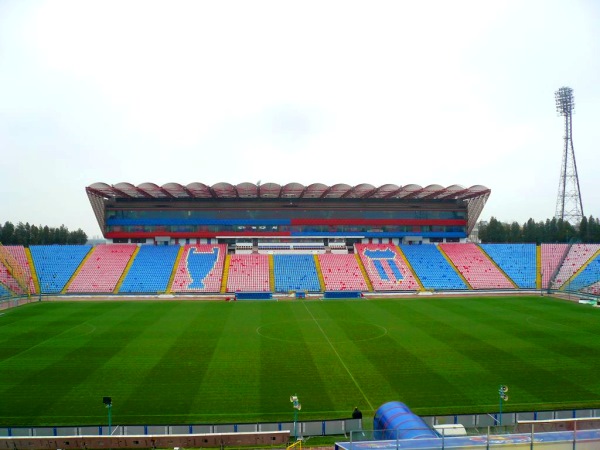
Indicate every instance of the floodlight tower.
{"type": "Point", "coordinates": [568, 203]}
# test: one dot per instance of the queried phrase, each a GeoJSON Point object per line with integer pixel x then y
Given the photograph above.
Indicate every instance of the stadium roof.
{"type": "Point", "coordinates": [475, 196]}
{"type": "Point", "coordinates": [287, 191]}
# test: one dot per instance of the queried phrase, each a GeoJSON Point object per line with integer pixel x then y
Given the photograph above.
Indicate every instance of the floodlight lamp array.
{"type": "Point", "coordinates": [565, 103]}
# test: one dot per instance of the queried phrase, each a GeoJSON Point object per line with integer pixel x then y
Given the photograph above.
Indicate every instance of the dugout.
{"type": "Point", "coordinates": [394, 420]}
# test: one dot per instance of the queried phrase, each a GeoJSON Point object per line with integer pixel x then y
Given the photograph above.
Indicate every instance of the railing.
{"type": "Point", "coordinates": [490, 437]}
{"type": "Point", "coordinates": [308, 428]}
{"type": "Point", "coordinates": [472, 422]}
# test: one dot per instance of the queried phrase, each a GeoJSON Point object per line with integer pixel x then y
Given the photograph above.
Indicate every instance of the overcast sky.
{"type": "Point", "coordinates": [425, 92]}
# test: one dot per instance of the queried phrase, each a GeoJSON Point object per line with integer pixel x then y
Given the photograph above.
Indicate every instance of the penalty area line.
{"type": "Point", "coordinates": [338, 356]}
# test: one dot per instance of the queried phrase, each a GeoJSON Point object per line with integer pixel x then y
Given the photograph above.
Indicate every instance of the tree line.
{"type": "Point", "coordinates": [550, 231]}
{"type": "Point", "coordinates": [26, 235]}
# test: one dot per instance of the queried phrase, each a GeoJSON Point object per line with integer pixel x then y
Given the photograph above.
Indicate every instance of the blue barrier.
{"type": "Point", "coordinates": [253, 296]}
{"type": "Point", "coordinates": [342, 294]}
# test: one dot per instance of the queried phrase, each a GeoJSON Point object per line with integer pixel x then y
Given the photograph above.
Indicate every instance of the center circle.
{"type": "Point", "coordinates": [314, 331]}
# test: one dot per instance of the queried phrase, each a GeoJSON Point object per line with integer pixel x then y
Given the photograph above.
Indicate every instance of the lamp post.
{"type": "Point", "coordinates": [297, 407]}
{"type": "Point", "coordinates": [502, 398]}
{"type": "Point", "coordinates": [108, 403]}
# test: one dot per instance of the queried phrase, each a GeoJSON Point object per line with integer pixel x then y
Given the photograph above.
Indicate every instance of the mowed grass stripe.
{"type": "Point", "coordinates": [232, 379]}
{"type": "Point", "coordinates": [338, 356]}
{"type": "Point", "coordinates": [172, 358]}
{"type": "Point", "coordinates": [504, 356]}
{"type": "Point", "coordinates": [294, 360]}
{"type": "Point", "coordinates": [407, 358]}
{"type": "Point", "coordinates": [69, 360]}
{"type": "Point", "coordinates": [23, 333]}
{"type": "Point", "coordinates": [435, 371]}
{"type": "Point", "coordinates": [548, 341]}
{"type": "Point", "coordinates": [182, 362]}
{"type": "Point", "coordinates": [351, 327]}
{"type": "Point", "coordinates": [503, 327]}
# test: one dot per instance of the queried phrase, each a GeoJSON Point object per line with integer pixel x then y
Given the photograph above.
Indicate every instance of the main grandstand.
{"type": "Point", "coordinates": [272, 239]}
{"type": "Point", "coordinates": [293, 216]}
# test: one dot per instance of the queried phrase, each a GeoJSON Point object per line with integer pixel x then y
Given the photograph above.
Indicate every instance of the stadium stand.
{"type": "Point", "coordinates": [200, 268]}
{"type": "Point", "coordinates": [151, 269]}
{"type": "Point", "coordinates": [55, 264]}
{"type": "Point", "coordinates": [588, 280]}
{"type": "Point", "coordinates": [295, 273]}
{"type": "Point", "coordinates": [248, 273]}
{"type": "Point", "coordinates": [101, 271]}
{"type": "Point", "coordinates": [432, 268]}
{"type": "Point", "coordinates": [4, 292]}
{"type": "Point", "coordinates": [341, 273]}
{"type": "Point", "coordinates": [552, 255]}
{"type": "Point", "coordinates": [18, 253]}
{"type": "Point", "coordinates": [386, 268]}
{"type": "Point", "coordinates": [516, 260]}
{"type": "Point", "coordinates": [9, 282]}
{"type": "Point", "coordinates": [578, 255]}
{"type": "Point", "coordinates": [479, 271]}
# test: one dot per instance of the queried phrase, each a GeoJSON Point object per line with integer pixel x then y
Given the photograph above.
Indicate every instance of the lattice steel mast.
{"type": "Point", "coordinates": [568, 203]}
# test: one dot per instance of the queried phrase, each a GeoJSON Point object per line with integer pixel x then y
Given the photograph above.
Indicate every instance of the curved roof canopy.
{"type": "Point", "coordinates": [475, 196]}
{"type": "Point", "coordinates": [287, 191]}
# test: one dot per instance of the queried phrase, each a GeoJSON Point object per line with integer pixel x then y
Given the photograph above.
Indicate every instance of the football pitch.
{"type": "Point", "coordinates": [177, 362]}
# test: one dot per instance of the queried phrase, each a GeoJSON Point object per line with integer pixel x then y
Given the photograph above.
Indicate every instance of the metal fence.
{"type": "Point", "coordinates": [474, 423]}
{"type": "Point", "coordinates": [309, 428]}
{"type": "Point", "coordinates": [508, 419]}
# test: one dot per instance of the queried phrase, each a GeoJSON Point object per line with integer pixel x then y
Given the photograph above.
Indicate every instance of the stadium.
{"type": "Point", "coordinates": [335, 294]}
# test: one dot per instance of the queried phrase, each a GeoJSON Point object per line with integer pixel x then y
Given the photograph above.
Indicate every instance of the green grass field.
{"type": "Point", "coordinates": [202, 362]}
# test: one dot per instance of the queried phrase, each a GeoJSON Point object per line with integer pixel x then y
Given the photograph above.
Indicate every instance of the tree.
{"type": "Point", "coordinates": [530, 233]}
{"type": "Point", "coordinates": [26, 234]}
{"type": "Point", "coordinates": [494, 231]}
{"type": "Point", "coordinates": [514, 233]}
{"type": "Point", "coordinates": [8, 231]}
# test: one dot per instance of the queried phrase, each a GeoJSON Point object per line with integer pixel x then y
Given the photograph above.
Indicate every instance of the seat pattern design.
{"type": "Point", "coordinates": [248, 273]}
{"type": "Point", "coordinates": [386, 268]}
{"type": "Point", "coordinates": [588, 280]}
{"type": "Point", "coordinates": [476, 267]}
{"type": "Point", "coordinates": [103, 269]}
{"type": "Point", "coordinates": [8, 280]}
{"type": "Point", "coordinates": [341, 272]}
{"type": "Point", "coordinates": [432, 268]}
{"type": "Point", "coordinates": [578, 255]}
{"type": "Point", "coordinates": [518, 261]}
{"type": "Point", "coordinates": [55, 264]}
{"type": "Point", "coordinates": [295, 273]}
{"type": "Point", "coordinates": [151, 269]}
{"type": "Point", "coordinates": [18, 254]}
{"type": "Point", "coordinates": [200, 268]}
{"type": "Point", "coordinates": [551, 254]}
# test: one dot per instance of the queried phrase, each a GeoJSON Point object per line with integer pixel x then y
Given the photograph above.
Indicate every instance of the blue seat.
{"type": "Point", "coordinates": [432, 268]}
{"type": "Point", "coordinates": [151, 270]}
{"type": "Point", "coordinates": [295, 273]}
{"type": "Point", "coordinates": [518, 261]}
{"type": "Point", "coordinates": [55, 264]}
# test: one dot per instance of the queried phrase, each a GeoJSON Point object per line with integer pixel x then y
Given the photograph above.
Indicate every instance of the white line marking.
{"type": "Point", "coordinates": [338, 355]}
